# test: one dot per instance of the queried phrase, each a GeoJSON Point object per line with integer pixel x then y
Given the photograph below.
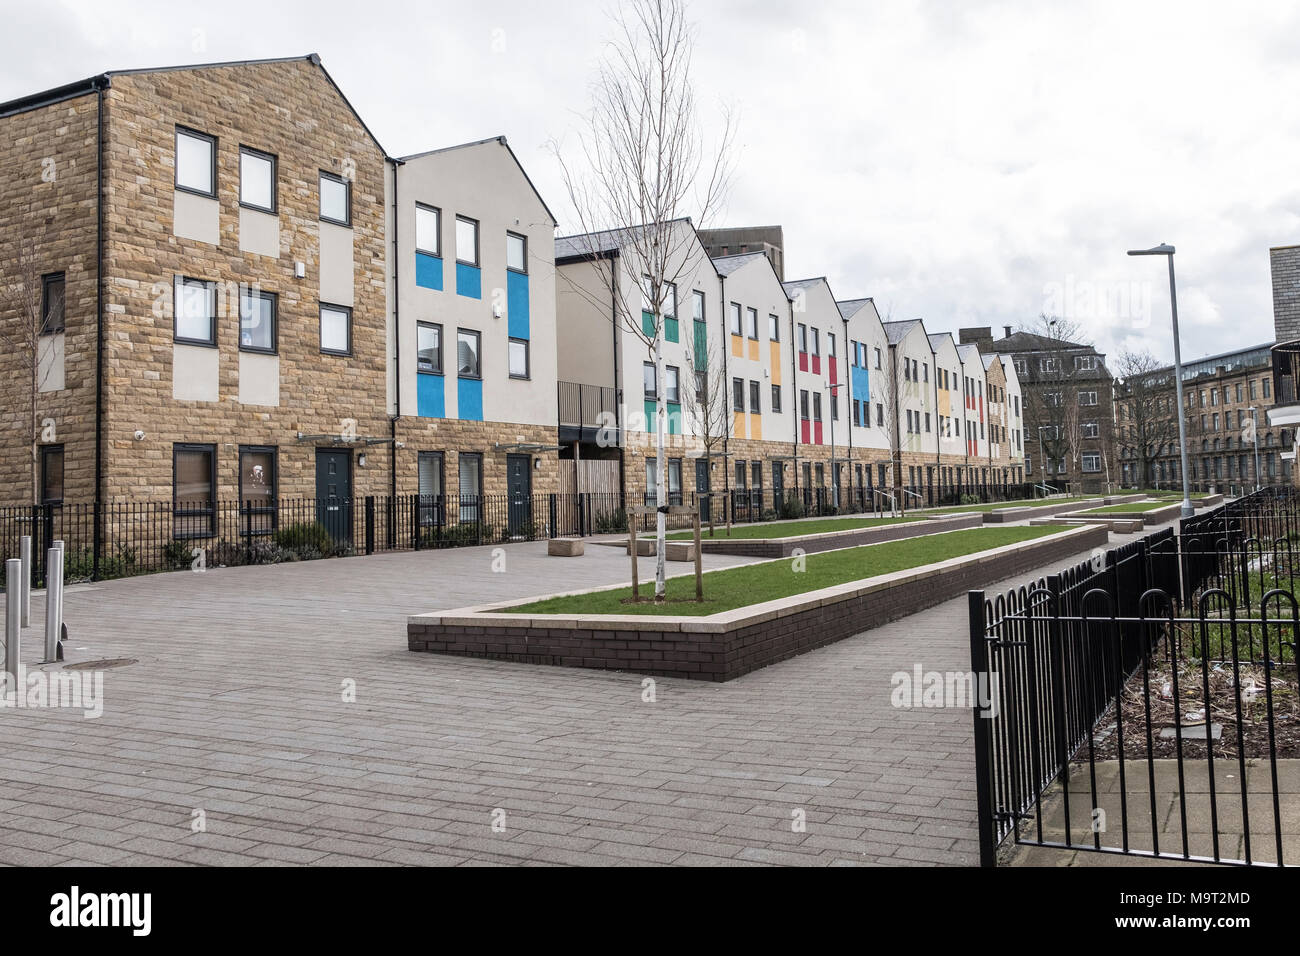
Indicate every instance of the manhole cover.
{"type": "Point", "coordinates": [100, 665]}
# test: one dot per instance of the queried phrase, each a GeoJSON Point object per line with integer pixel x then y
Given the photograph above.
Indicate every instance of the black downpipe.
{"type": "Point", "coordinates": [723, 347]}
{"type": "Point", "coordinates": [98, 545]}
{"type": "Point", "coordinates": [397, 349]}
{"type": "Point", "coordinates": [794, 397]}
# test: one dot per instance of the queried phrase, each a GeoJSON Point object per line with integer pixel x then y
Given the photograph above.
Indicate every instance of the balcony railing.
{"type": "Point", "coordinates": [586, 406]}
{"type": "Point", "coordinates": [1286, 366]}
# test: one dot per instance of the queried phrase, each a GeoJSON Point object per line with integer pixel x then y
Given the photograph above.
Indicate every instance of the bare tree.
{"type": "Point", "coordinates": [1052, 403]}
{"type": "Point", "coordinates": [707, 409]}
{"type": "Point", "coordinates": [1148, 417]}
{"type": "Point", "coordinates": [30, 309]}
{"type": "Point", "coordinates": [645, 166]}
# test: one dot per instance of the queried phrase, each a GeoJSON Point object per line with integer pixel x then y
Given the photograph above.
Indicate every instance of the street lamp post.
{"type": "Point", "coordinates": [1164, 249]}
{"type": "Point", "coordinates": [1254, 430]}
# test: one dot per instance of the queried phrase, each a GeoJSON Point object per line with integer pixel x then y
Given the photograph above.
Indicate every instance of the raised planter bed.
{"type": "Point", "coordinates": [1120, 524]}
{"type": "Point", "coordinates": [1023, 512]}
{"type": "Point", "coordinates": [723, 646]}
{"type": "Point", "coordinates": [775, 547]}
{"type": "Point", "coordinates": [1153, 516]}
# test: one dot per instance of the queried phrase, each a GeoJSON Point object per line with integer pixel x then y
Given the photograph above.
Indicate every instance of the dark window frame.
{"type": "Point", "coordinates": [347, 311]}
{"type": "Point", "coordinates": [776, 399]}
{"type": "Point", "coordinates": [47, 280]}
{"type": "Point", "coordinates": [210, 513]}
{"type": "Point", "coordinates": [46, 452]}
{"type": "Point", "coordinates": [524, 239]}
{"type": "Point", "coordinates": [432, 507]}
{"type": "Point", "coordinates": [442, 348]}
{"type": "Point", "coordinates": [528, 359]}
{"type": "Point", "coordinates": [478, 242]}
{"type": "Point", "coordinates": [755, 398]}
{"type": "Point", "coordinates": [274, 298]}
{"type": "Point", "coordinates": [737, 397]}
{"type": "Point", "coordinates": [478, 354]}
{"type": "Point", "coordinates": [274, 208]}
{"type": "Point", "coordinates": [178, 283]}
{"type": "Point", "coordinates": [176, 153]}
{"type": "Point", "coordinates": [677, 375]}
{"type": "Point", "coordinates": [437, 211]}
{"type": "Point", "coordinates": [347, 200]}
{"type": "Point", "coordinates": [246, 510]}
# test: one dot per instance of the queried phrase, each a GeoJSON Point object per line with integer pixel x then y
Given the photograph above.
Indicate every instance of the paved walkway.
{"type": "Point", "coordinates": [235, 708]}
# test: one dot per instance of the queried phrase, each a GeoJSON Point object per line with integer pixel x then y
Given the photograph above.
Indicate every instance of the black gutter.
{"type": "Point", "coordinates": [397, 345]}
{"type": "Point", "coordinates": [100, 84]}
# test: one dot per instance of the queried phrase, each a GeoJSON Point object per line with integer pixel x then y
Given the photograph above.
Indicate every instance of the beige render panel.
{"type": "Point", "coordinates": [337, 264]}
{"type": "Point", "coordinates": [196, 217]}
{"type": "Point", "coordinates": [195, 373]}
{"type": "Point", "coordinates": [259, 379]}
{"type": "Point", "coordinates": [259, 233]}
{"type": "Point", "coordinates": [50, 363]}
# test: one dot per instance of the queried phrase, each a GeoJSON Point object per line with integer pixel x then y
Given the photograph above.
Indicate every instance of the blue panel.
{"type": "Point", "coordinates": [428, 271]}
{"type": "Point", "coordinates": [517, 304]}
{"type": "Point", "coordinates": [469, 398]}
{"type": "Point", "coordinates": [429, 398]}
{"type": "Point", "coordinates": [860, 382]}
{"type": "Point", "coordinates": [469, 281]}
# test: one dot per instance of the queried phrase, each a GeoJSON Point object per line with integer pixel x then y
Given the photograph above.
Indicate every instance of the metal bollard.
{"type": "Point", "coordinates": [13, 616]}
{"type": "Point", "coordinates": [25, 588]}
{"type": "Point", "coordinates": [53, 603]}
{"type": "Point", "coordinates": [58, 543]}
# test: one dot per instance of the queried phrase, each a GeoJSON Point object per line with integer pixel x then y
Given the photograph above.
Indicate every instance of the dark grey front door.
{"type": "Point", "coordinates": [334, 493]}
{"type": "Point", "coordinates": [702, 487]}
{"type": "Point", "coordinates": [519, 491]}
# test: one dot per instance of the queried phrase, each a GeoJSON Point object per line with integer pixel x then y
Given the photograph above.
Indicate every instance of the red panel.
{"type": "Point", "coordinates": [803, 429]}
{"type": "Point", "coordinates": [832, 370]}
{"type": "Point", "coordinates": [981, 408]}
{"type": "Point", "coordinates": [817, 365]}
{"type": "Point", "coordinates": [803, 361]}
{"type": "Point", "coordinates": [817, 433]}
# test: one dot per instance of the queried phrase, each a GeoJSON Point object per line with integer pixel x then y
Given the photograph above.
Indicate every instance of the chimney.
{"type": "Point", "coordinates": [1006, 331]}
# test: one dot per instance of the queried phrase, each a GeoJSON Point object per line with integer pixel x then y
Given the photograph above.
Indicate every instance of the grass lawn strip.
{"type": "Point", "coordinates": [774, 530]}
{"type": "Point", "coordinates": [1027, 503]}
{"type": "Point", "coordinates": [731, 588]}
{"type": "Point", "coordinates": [1133, 507]}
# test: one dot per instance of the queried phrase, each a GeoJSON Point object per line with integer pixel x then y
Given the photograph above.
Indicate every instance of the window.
{"type": "Point", "coordinates": [335, 329]}
{"type": "Point", "coordinates": [751, 323]}
{"type": "Point", "coordinates": [651, 479]}
{"type": "Point", "coordinates": [1266, 386]}
{"type": "Point", "coordinates": [670, 300]}
{"type": "Point", "coordinates": [516, 252]}
{"type": "Point", "coordinates": [701, 388]}
{"type": "Point", "coordinates": [674, 481]}
{"type": "Point", "coordinates": [817, 406]}
{"type": "Point", "coordinates": [649, 382]}
{"type": "Point", "coordinates": [697, 305]}
{"type": "Point", "coordinates": [734, 316]}
{"type": "Point", "coordinates": [468, 363]}
{"type": "Point", "coordinates": [428, 347]}
{"type": "Point", "coordinates": [816, 342]}
{"type": "Point", "coordinates": [803, 337]}
{"type": "Point", "coordinates": [256, 320]}
{"type": "Point", "coordinates": [742, 473]}
{"type": "Point", "coordinates": [672, 384]}
{"type": "Point", "coordinates": [428, 230]}
{"type": "Point", "coordinates": [430, 475]}
{"type": "Point", "coordinates": [880, 415]}
{"type": "Point", "coordinates": [755, 405]}
{"type": "Point", "coordinates": [335, 199]}
{"type": "Point", "coordinates": [877, 358]}
{"type": "Point", "coordinates": [519, 358]}
{"type": "Point", "coordinates": [466, 241]}
{"type": "Point", "coordinates": [738, 394]}
{"type": "Point", "coordinates": [194, 490]}
{"type": "Point", "coordinates": [257, 476]}
{"type": "Point", "coordinates": [53, 302]}
{"type": "Point", "coordinates": [1087, 398]}
{"type": "Point", "coordinates": [773, 328]}
{"type": "Point", "coordinates": [256, 179]}
{"type": "Point", "coordinates": [470, 485]}
{"type": "Point", "coordinates": [1090, 463]}
{"type": "Point", "coordinates": [925, 372]}
{"type": "Point", "coordinates": [51, 474]}
{"type": "Point", "coordinates": [1089, 430]}
{"type": "Point", "coordinates": [195, 315]}
{"type": "Point", "coordinates": [1253, 391]}
{"type": "Point", "coordinates": [776, 399]}
{"type": "Point", "coordinates": [196, 162]}
{"type": "Point", "coordinates": [803, 403]}
{"type": "Point", "coordinates": [927, 421]}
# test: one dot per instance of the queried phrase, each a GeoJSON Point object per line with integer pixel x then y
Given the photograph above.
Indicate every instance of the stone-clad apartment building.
{"type": "Point", "coordinates": [241, 297]}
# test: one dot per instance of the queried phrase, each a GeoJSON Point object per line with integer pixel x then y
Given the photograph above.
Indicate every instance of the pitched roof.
{"type": "Point", "coordinates": [969, 352]}
{"type": "Point", "coordinates": [726, 265]}
{"type": "Point", "coordinates": [1033, 342]}
{"type": "Point", "coordinates": [585, 244]}
{"type": "Point", "coordinates": [938, 337]}
{"type": "Point", "coordinates": [897, 331]}
{"type": "Point", "coordinates": [794, 285]}
{"type": "Point", "coordinates": [851, 307]}
{"type": "Point", "coordinates": [104, 80]}
{"type": "Point", "coordinates": [483, 142]}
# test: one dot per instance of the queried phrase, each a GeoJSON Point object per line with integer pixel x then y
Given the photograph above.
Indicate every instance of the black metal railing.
{"type": "Point", "coordinates": [1107, 679]}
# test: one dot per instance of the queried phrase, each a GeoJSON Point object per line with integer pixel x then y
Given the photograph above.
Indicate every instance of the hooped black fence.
{"type": "Point", "coordinates": [127, 538]}
{"type": "Point", "coordinates": [1145, 702]}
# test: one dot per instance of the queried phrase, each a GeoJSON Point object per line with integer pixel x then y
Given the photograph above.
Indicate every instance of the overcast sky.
{"type": "Point", "coordinates": [966, 163]}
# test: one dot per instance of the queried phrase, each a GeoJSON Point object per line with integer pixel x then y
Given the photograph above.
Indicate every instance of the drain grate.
{"type": "Point", "coordinates": [100, 665]}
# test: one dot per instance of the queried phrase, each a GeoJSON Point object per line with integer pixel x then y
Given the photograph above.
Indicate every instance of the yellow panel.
{"type": "Point", "coordinates": [753, 349]}
{"type": "Point", "coordinates": [756, 427]}
{"type": "Point", "coordinates": [775, 348]}
{"type": "Point", "coordinates": [737, 346]}
{"type": "Point", "coordinates": [738, 425]}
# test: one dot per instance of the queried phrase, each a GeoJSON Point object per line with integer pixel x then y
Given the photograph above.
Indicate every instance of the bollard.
{"type": "Point", "coordinates": [58, 543]}
{"type": "Point", "coordinates": [25, 588]}
{"type": "Point", "coordinates": [53, 603]}
{"type": "Point", "coordinates": [13, 616]}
